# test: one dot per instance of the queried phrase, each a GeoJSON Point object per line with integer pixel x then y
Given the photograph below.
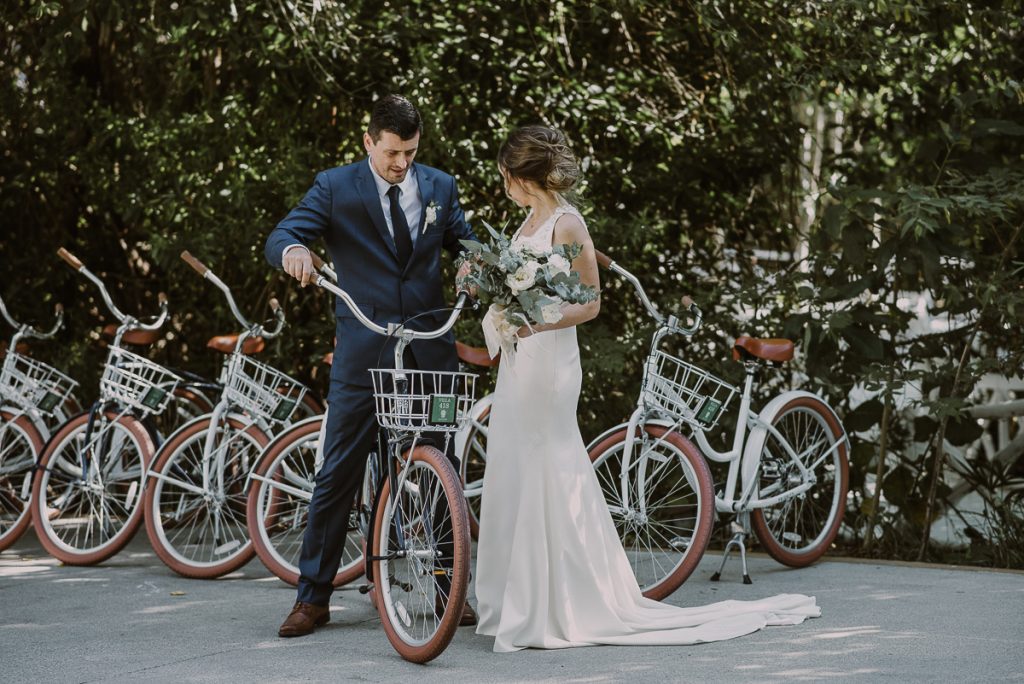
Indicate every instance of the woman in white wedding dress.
{"type": "Point", "coordinates": [551, 571]}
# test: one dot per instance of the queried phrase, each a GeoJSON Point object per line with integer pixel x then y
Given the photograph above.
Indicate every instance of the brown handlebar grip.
{"type": "Point", "coordinates": [602, 258]}
{"type": "Point", "coordinates": [318, 263]}
{"type": "Point", "coordinates": [70, 258]}
{"type": "Point", "coordinates": [59, 309]}
{"type": "Point", "coordinates": [687, 301]}
{"type": "Point", "coordinates": [274, 304]}
{"type": "Point", "coordinates": [162, 298]}
{"type": "Point", "coordinates": [198, 265]}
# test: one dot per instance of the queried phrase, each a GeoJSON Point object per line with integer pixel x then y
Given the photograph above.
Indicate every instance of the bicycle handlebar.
{"type": "Point", "coordinates": [3, 310]}
{"type": "Point", "coordinates": [254, 328]}
{"type": "Point", "coordinates": [393, 328]}
{"type": "Point", "coordinates": [125, 320]}
{"type": "Point", "coordinates": [321, 265]}
{"type": "Point", "coordinates": [196, 264]}
{"type": "Point", "coordinates": [26, 330]}
{"type": "Point", "coordinates": [671, 322]}
{"type": "Point", "coordinates": [73, 261]}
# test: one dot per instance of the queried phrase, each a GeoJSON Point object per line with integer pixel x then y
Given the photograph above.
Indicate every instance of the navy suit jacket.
{"type": "Point", "coordinates": [344, 209]}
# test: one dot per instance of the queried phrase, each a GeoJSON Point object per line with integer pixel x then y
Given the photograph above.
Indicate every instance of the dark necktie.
{"type": "Point", "coordinates": [400, 226]}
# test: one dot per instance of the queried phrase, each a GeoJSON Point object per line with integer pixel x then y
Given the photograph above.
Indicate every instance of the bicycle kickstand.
{"type": "Point", "coordinates": [740, 532]}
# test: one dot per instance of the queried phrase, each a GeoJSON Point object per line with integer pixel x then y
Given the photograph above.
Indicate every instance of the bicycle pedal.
{"type": "Point", "coordinates": [716, 577]}
{"type": "Point", "coordinates": [365, 588]}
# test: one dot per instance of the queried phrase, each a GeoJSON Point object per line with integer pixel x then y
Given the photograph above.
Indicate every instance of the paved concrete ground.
{"type": "Point", "coordinates": [123, 622]}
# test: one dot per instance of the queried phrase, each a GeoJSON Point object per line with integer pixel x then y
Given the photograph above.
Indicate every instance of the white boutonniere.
{"type": "Point", "coordinates": [430, 215]}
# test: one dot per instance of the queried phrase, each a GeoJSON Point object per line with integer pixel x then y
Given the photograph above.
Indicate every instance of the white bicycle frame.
{"type": "Point", "coordinates": [744, 458]}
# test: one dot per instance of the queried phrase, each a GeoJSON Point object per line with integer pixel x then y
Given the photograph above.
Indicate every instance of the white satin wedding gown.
{"type": "Point", "coordinates": [551, 571]}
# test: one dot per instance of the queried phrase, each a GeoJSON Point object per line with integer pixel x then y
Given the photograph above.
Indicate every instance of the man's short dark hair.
{"type": "Point", "coordinates": [395, 114]}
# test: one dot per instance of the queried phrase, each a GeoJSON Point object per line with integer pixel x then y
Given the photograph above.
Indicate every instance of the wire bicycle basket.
{"type": "Point", "coordinates": [261, 390]}
{"type": "Point", "coordinates": [136, 381]}
{"type": "Point", "coordinates": [435, 401]}
{"type": "Point", "coordinates": [685, 391]}
{"type": "Point", "coordinates": [27, 383]}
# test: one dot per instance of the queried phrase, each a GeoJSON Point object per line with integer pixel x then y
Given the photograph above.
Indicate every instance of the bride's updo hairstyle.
{"type": "Point", "coordinates": [542, 155]}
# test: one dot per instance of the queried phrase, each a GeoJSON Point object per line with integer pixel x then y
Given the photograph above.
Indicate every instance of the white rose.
{"type": "Point", "coordinates": [551, 312]}
{"type": "Point", "coordinates": [523, 278]}
{"type": "Point", "coordinates": [559, 264]}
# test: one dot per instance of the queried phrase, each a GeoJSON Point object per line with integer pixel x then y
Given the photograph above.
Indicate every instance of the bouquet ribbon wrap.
{"type": "Point", "coordinates": [499, 334]}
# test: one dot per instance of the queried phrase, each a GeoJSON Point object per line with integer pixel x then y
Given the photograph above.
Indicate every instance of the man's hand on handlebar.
{"type": "Point", "coordinates": [299, 265]}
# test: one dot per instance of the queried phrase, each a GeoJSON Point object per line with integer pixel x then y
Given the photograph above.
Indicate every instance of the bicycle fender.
{"type": "Point", "coordinates": [241, 417]}
{"type": "Point", "coordinates": [281, 436]}
{"type": "Point", "coordinates": [477, 410]}
{"type": "Point", "coordinates": [368, 549]}
{"type": "Point", "coordinates": [622, 426]}
{"type": "Point", "coordinates": [758, 435]}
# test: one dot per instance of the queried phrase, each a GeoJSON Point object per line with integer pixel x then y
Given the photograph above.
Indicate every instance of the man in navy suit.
{"type": "Point", "coordinates": [385, 221]}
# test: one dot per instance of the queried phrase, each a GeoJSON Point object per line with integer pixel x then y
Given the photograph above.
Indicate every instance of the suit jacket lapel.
{"type": "Point", "coordinates": [426, 184]}
{"type": "Point", "coordinates": [368, 192]}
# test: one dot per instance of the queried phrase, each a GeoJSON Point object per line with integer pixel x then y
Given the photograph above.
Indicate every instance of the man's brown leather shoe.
{"type": "Point", "coordinates": [303, 619]}
{"type": "Point", "coordinates": [468, 617]}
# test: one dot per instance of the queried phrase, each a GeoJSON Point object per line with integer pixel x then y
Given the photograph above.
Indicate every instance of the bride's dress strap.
{"type": "Point", "coordinates": [545, 234]}
{"type": "Point", "coordinates": [562, 209]}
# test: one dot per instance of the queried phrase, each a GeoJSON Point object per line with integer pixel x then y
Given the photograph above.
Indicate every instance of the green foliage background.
{"type": "Point", "coordinates": [878, 142]}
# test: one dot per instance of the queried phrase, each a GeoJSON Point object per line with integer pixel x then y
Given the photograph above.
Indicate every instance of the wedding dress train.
{"type": "Point", "coordinates": [551, 571]}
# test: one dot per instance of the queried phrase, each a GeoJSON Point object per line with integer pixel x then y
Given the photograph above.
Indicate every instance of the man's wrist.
{"type": "Point", "coordinates": [285, 251]}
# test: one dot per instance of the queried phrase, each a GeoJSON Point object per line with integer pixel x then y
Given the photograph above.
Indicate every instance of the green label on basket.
{"type": "Point", "coordinates": [153, 398]}
{"type": "Point", "coordinates": [709, 411]}
{"type": "Point", "coordinates": [283, 410]}
{"type": "Point", "coordinates": [48, 402]}
{"type": "Point", "coordinates": [442, 409]}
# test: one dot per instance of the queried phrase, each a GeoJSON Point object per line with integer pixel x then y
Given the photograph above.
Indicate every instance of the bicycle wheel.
{"type": "Point", "coordinates": [421, 582]}
{"type": "Point", "coordinates": [199, 530]}
{"type": "Point", "coordinates": [666, 526]}
{"type": "Point", "coordinates": [279, 495]}
{"type": "Point", "coordinates": [84, 515]}
{"type": "Point", "coordinates": [472, 463]}
{"type": "Point", "coordinates": [798, 530]}
{"type": "Point", "coordinates": [20, 446]}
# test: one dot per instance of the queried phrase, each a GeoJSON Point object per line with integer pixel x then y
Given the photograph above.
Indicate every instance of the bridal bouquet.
{"type": "Point", "coordinates": [523, 286]}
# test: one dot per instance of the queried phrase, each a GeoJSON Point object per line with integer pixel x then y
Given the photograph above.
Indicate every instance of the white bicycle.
{"type": "Point", "coordinates": [288, 467]}
{"type": "Point", "coordinates": [195, 499]}
{"type": "Point", "coordinates": [86, 495]}
{"type": "Point", "coordinates": [34, 398]}
{"type": "Point", "coordinates": [788, 471]}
